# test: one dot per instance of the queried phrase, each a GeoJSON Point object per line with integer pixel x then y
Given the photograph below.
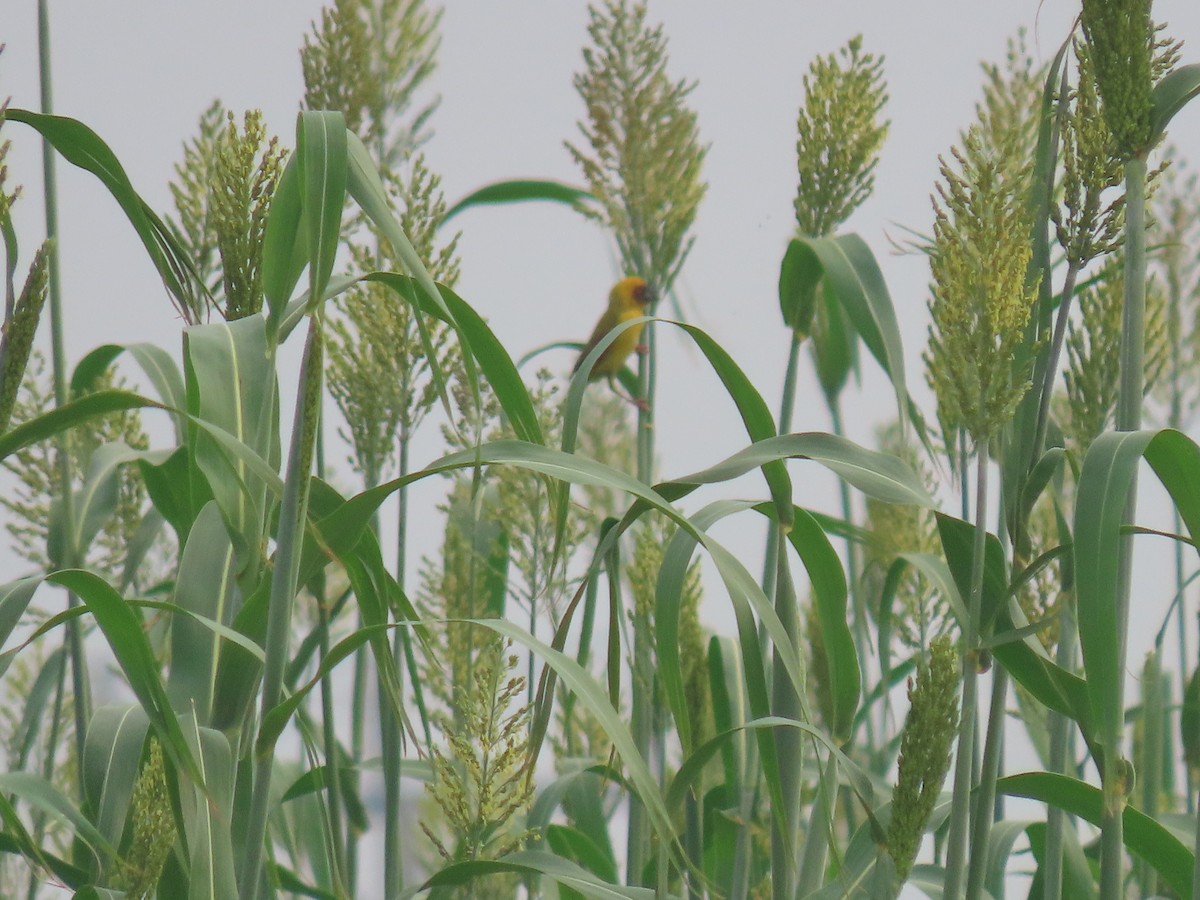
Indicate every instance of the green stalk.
{"type": "Point", "coordinates": [1129, 418]}
{"type": "Point", "coordinates": [786, 408]}
{"type": "Point", "coordinates": [1150, 774]}
{"type": "Point", "coordinates": [643, 669]}
{"type": "Point", "coordinates": [1175, 420]}
{"type": "Point", "coordinates": [965, 755]}
{"type": "Point", "coordinates": [820, 826]}
{"type": "Point", "coordinates": [1051, 373]}
{"type": "Point", "coordinates": [858, 602]}
{"type": "Point", "coordinates": [743, 850]}
{"type": "Point", "coordinates": [292, 512]}
{"type": "Point", "coordinates": [984, 813]}
{"type": "Point", "coordinates": [390, 737]}
{"type": "Point", "coordinates": [1060, 739]}
{"type": "Point", "coordinates": [642, 725]}
{"type": "Point", "coordinates": [343, 848]}
{"type": "Point", "coordinates": [35, 875]}
{"type": "Point", "coordinates": [80, 686]}
{"type": "Point", "coordinates": [343, 857]}
{"type": "Point", "coordinates": [789, 745]}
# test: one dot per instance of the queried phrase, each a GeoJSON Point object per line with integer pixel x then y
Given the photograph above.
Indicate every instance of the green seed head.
{"type": "Point", "coordinates": [1121, 36]}
{"type": "Point", "coordinates": [929, 733]}
{"type": "Point", "coordinates": [840, 134]}
{"type": "Point", "coordinates": [981, 297]}
{"type": "Point", "coordinates": [641, 155]}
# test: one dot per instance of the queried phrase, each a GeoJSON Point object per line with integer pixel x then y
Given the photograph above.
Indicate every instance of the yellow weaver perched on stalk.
{"type": "Point", "coordinates": [628, 299]}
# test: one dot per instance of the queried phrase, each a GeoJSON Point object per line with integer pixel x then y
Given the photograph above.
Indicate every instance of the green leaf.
{"type": "Point", "coordinates": [494, 362]}
{"type": "Point", "coordinates": [1108, 472]}
{"type": "Point", "coordinates": [112, 760]}
{"type": "Point", "coordinates": [158, 365]}
{"type": "Point", "coordinates": [573, 844]}
{"type": "Point", "coordinates": [520, 191]}
{"type": "Point", "coordinates": [537, 862]}
{"type": "Point", "coordinates": [834, 348]}
{"type": "Point", "coordinates": [15, 598]}
{"type": "Point", "coordinates": [878, 475]}
{"type": "Point", "coordinates": [41, 794]}
{"type": "Point", "coordinates": [173, 492]}
{"type": "Point", "coordinates": [854, 278]}
{"type": "Point", "coordinates": [285, 247]}
{"type": "Point", "coordinates": [1189, 722]}
{"type": "Point", "coordinates": [231, 386]}
{"type": "Point", "coordinates": [1170, 96]}
{"type": "Point", "coordinates": [799, 275]}
{"type": "Point", "coordinates": [828, 580]}
{"type": "Point", "coordinates": [123, 630]}
{"type": "Point", "coordinates": [958, 544]}
{"type": "Point", "coordinates": [1144, 837]}
{"type": "Point", "coordinates": [81, 146]}
{"type": "Point", "coordinates": [17, 841]}
{"type": "Point", "coordinates": [321, 148]}
{"type": "Point", "coordinates": [70, 414]}
{"type": "Point", "coordinates": [205, 584]}
{"type": "Point", "coordinates": [208, 815]}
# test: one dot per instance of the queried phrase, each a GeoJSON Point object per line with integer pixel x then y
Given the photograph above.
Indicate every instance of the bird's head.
{"type": "Point", "coordinates": [632, 293]}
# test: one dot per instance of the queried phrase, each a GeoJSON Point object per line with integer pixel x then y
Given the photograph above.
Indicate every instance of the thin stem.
{"type": "Point", "coordinates": [333, 780]}
{"type": "Point", "coordinates": [1175, 420]}
{"type": "Point", "coordinates": [642, 705]}
{"type": "Point", "coordinates": [786, 409]}
{"type": "Point", "coordinates": [960, 804]}
{"type": "Point", "coordinates": [789, 744]}
{"type": "Point", "coordinates": [1150, 772]}
{"type": "Point", "coordinates": [984, 795]}
{"type": "Point", "coordinates": [80, 686]}
{"type": "Point", "coordinates": [1129, 418]}
{"type": "Point", "coordinates": [1060, 740]}
{"type": "Point", "coordinates": [292, 511]}
{"type": "Point", "coordinates": [820, 825]}
{"type": "Point", "coordinates": [390, 736]}
{"type": "Point", "coordinates": [1060, 331]}
{"type": "Point", "coordinates": [858, 602]}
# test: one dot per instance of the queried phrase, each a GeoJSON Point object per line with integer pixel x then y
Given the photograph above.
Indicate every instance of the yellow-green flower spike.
{"type": "Point", "coordinates": [839, 135]}
{"type": "Point", "coordinates": [642, 153]}
{"type": "Point", "coordinates": [981, 297]}
{"type": "Point", "coordinates": [929, 732]}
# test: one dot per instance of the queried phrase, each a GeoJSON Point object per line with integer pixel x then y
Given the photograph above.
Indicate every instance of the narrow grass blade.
{"type": "Point", "coordinates": [520, 191]}
{"type": "Point", "coordinates": [82, 147]}
{"type": "Point", "coordinates": [112, 759]}
{"type": "Point", "coordinates": [1143, 836]}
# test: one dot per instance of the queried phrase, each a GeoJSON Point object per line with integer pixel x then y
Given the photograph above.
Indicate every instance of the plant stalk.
{"type": "Point", "coordinates": [292, 513]}
{"type": "Point", "coordinates": [964, 757]}
{"type": "Point", "coordinates": [983, 812]}
{"type": "Point", "coordinates": [80, 685]}
{"type": "Point", "coordinates": [390, 736]}
{"type": "Point", "coordinates": [1060, 741]}
{"type": "Point", "coordinates": [789, 744]}
{"type": "Point", "coordinates": [1129, 418]}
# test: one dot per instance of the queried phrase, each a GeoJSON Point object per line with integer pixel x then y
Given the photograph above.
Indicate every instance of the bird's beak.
{"type": "Point", "coordinates": [649, 296]}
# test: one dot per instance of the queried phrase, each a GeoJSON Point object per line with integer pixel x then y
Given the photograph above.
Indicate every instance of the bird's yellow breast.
{"type": "Point", "coordinates": [618, 351]}
{"type": "Point", "coordinates": [627, 300]}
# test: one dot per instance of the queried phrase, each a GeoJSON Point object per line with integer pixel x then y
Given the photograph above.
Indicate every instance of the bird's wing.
{"type": "Point", "coordinates": [603, 327]}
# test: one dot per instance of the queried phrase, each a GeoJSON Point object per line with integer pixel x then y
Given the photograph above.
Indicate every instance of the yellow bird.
{"type": "Point", "coordinates": [627, 300]}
